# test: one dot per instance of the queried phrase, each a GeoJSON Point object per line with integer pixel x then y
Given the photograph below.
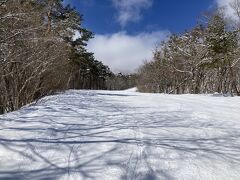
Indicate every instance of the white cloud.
{"type": "Point", "coordinates": [130, 10]}
{"type": "Point", "coordinates": [228, 10]}
{"type": "Point", "coordinates": [123, 52]}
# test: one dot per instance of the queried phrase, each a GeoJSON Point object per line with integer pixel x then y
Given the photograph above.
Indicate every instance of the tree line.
{"type": "Point", "coordinates": [203, 60]}
{"type": "Point", "coordinates": [120, 81]}
{"type": "Point", "coordinates": [38, 54]}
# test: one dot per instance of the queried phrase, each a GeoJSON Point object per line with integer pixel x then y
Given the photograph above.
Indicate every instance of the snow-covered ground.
{"type": "Point", "coordinates": [122, 135]}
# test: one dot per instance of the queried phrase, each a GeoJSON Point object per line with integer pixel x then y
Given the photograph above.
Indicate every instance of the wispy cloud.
{"type": "Point", "coordinates": [123, 52]}
{"type": "Point", "coordinates": [228, 10]}
{"type": "Point", "coordinates": [130, 10]}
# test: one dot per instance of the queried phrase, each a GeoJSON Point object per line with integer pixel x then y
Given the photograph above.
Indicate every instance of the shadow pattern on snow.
{"type": "Point", "coordinates": [71, 137]}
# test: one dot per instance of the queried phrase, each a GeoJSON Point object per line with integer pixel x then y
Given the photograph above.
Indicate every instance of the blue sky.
{"type": "Point", "coordinates": [127, 31]}
{"type": "Point", "coordinates": [101, 16]}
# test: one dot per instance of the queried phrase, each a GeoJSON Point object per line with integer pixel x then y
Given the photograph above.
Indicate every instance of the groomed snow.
{"type": "Point", "coordinates": [122, 135]}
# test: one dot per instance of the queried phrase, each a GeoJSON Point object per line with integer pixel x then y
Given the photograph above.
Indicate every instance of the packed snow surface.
{"type": "Point", "coordinates": [122, 135]}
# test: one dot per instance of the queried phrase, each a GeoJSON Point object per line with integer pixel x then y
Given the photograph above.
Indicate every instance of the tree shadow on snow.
{"type": "Point", "coordinates": [53, 146]}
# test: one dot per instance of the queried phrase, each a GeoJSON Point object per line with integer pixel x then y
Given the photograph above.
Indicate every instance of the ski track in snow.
{"type": "Point", "coordinates": [122, 135]}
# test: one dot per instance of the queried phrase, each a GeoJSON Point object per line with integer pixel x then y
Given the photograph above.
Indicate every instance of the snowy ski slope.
{"type": "Point", "coordinates": [122, 135]}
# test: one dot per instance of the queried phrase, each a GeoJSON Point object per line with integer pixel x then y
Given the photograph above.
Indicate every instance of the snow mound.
{"type": "Point", "coordinates": [131, 90]}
